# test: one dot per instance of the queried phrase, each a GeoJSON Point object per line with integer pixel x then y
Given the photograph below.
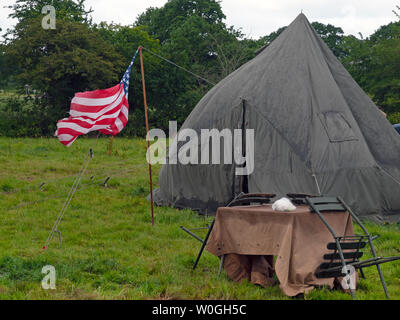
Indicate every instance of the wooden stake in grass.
{"type": "Point", "coordinates": [110, 145]}
{"type": "Point", "coordinates": [147, 133]}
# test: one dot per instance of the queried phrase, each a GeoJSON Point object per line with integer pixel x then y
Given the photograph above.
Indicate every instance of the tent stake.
{"type": "Point", "coordinates": [147, 135]}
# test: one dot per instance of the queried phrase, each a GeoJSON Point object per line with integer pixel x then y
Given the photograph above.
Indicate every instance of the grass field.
{"type": "Point", "coordinates": [110, 250]}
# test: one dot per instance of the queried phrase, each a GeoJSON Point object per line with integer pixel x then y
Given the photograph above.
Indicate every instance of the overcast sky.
{"type": "Point", "coordinates": [257, 17]}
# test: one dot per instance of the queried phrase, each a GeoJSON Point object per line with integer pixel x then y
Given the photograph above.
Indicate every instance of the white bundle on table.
{"type": "Point", "coordinates": [283, 204]}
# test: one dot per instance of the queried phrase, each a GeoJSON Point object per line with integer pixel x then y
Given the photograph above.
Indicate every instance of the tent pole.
{"type": "Point", "coordinates": [317, 184]}
{"type": "Point", "coordinates": [147, 135]}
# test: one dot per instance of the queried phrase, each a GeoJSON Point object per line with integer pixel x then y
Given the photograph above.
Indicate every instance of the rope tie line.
{"type": "Point", "coordinates": [178, 66]}
{"type": "Point", "coordinates": [71, 194]}
{"type": "Point", "coordinates": [69, 198]}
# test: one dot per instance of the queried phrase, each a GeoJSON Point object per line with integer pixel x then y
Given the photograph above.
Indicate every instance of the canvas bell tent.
{"type": "Point", "coordinates": [315, 132]}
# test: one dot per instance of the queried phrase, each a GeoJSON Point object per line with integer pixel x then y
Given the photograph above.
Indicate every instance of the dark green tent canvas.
{"type": "Point", "coordinates": [315, 130]}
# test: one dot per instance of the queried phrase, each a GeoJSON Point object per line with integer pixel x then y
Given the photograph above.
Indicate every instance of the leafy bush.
{"type": "Point", "coordinates": [25, 117]}
{"type": "Point", "coordinates": [394, 118]}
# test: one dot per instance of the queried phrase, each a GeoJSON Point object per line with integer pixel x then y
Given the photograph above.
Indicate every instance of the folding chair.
{"type": "Point", "coordinates": [345, 250]}
{"type": "Point", "coordinates": [300, 198]}
{"type": "Point", "coordinates": [242, 199]}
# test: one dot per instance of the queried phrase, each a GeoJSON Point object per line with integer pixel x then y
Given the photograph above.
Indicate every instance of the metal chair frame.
{"type": "Point", "coordinates": [321, 204]}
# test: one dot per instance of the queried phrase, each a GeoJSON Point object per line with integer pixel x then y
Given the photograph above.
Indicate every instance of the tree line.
{"type": "Point", "coordinates": [80, 55]}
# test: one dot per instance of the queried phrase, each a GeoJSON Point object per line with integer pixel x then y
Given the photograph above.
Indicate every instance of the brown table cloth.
{"type": "Point", "coordinates": [297, 239]}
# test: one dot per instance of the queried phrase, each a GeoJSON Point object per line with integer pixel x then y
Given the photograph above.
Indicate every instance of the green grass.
{"type": "Point", "coordinates": [110, 250]}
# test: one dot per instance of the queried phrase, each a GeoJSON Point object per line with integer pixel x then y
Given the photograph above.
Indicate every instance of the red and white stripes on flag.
{"type": "Point", "coordinates": [100, 110]}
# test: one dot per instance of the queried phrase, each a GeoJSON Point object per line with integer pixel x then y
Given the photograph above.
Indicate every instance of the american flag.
{"type": "Point", "coordinates": [100, 110]}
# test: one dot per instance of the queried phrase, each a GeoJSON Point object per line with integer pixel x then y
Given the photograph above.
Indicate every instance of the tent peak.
{"type": "Point", "coordinates": [301, 16]}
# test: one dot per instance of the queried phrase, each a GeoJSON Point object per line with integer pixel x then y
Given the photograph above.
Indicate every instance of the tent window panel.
{"type": "Point", "coordinates": [337, 127]}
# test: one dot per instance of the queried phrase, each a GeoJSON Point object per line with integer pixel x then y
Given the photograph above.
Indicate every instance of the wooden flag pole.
{"type": "Point", "coordinates": [147, 134]}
